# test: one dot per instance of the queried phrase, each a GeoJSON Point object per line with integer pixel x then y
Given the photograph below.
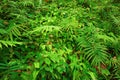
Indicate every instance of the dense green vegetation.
{"type": "Point", "coordinates": [59, 39]}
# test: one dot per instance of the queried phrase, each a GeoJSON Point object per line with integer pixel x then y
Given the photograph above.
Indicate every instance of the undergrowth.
{"type": "Point", "coordinates": [60, 39]}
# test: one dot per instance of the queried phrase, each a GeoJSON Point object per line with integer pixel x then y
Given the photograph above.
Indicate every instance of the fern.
{"type": "Point", "coordinates": [111, 41]}
{"type": "Point", "coordinates": [9, 43]}
{"type": "Point", "coordinates": [13, 31]}
{"type": "Point", "coordinates": [26, 3]}
{"type": "Point", "coordinates": [96, 53]}
{"type": "Point", "coordinates": [46, 30]}
{"type": "Point", "coordinates": [115, 20]}
{"type": "Point", "coordinates": [63, 39]}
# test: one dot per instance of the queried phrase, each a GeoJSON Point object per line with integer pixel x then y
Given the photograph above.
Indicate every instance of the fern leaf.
{"type": "Point", "coordinates": [26, 3]}
{"type": "Point", "coordinates": [116, 21]}
{"type": "Point", "coordinates": [45, 29]}
{"type": "Point", "coordinates": [9, 43]}
{"type": "Point", "coordinates": [96, 54]}
{"type": "Point", "coordinates": [13, 30]}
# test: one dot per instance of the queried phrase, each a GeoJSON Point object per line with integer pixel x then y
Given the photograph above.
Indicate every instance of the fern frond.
{"type": "Point", "coordinates": [9, 43]}
{"type": "Point", "coordinates": [96, 53]}
{"type": "Point", "coordinates": [26, 3]}
{"type": "Point", "coordinates": [115, 20]}
{"type": "Point", "coordinates": [116, 71]}
{"type": "Point", "coordinates": [13, 31]}
{"type": "Point", "coordinates": [46, 29]}
{"type": "Point", "coordinates": [111, 41]}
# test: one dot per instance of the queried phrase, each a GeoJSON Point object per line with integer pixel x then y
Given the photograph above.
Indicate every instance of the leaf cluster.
{"type": "Point", "coordinates": [59, 39]}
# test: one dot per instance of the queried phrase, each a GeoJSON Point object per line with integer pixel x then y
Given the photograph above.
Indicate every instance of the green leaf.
{"type": "Point", "coordinates": [0, 45]}
{"type": "Point", "coordinates": [47, 61]}
{"type": "Point", "coordinates": [34, 74]}
{"type": "Point", "coordinates": [37, 64]}
{"type": "Point", "coordinates": [105, 72]}
{"type": "Point", "coordinates": [92, 75]}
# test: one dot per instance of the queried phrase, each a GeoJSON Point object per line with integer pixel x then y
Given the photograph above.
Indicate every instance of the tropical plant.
{"type": "Point", "coordinates": [59, 40]}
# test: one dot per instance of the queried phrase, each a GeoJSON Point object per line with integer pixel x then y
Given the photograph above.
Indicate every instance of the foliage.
{"type": "Point", "coordinates": [59, 39]}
